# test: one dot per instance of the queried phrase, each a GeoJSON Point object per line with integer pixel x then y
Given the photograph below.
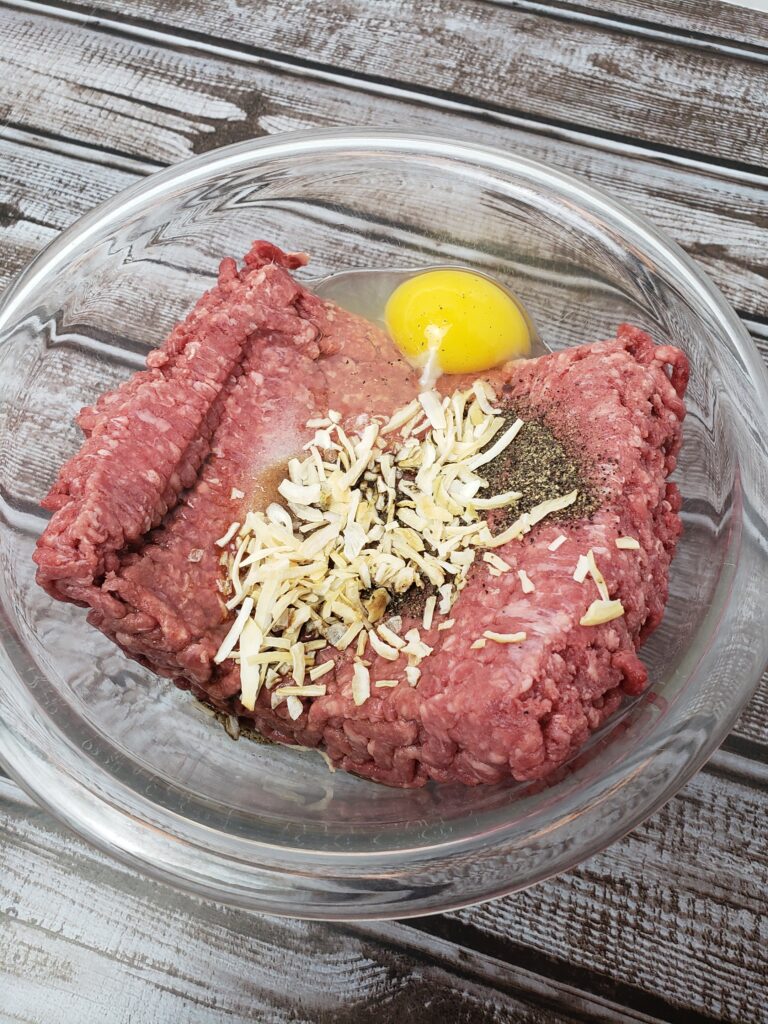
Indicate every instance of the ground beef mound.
{"type": "Point", "coordinates": [183, 448]}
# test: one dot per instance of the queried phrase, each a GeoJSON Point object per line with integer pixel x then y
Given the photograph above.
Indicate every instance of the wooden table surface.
{"type": "Point", "coordinates": [664, 104]}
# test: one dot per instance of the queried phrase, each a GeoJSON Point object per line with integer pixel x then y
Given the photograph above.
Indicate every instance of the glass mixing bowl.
{"type": "Point", "coordinates": [140, 768]}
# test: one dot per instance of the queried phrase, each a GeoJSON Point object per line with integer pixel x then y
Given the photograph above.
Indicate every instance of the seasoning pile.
{"type": "Point", "coordinates": [398, 508]}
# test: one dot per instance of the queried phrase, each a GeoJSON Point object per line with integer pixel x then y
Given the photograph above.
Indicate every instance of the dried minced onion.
{"type": "Point", "coordinates": [361, 684]}
{"type": "Point", "coordinates": [597, 576]}
{"type": "Point", "coordinates": [601, 611]}
{"type": "Point", "coordinates": [505, 638]}
{"type": "Point", "coordinates": [582, 569]}
{"type": "Point", "coordinates": [526, 582]}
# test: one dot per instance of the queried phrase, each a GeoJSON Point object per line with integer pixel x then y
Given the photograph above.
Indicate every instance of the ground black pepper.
{"type": "Point", "coordinates": [541, 466]}
{"type": "Point", "coordinates": [411, 602]}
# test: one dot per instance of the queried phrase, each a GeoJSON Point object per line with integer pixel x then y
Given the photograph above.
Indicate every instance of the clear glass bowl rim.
{"type": "Point", "coordinates": [317, 881]}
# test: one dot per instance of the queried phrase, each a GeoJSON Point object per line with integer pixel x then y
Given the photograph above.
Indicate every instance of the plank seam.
{"type": "Point", "coordinates": [13, 131]}
{"type": "Point", "coordinates": [584, 979]}
{"type": "Point", "coordinates": [740, 767]}
{"type": "Point", "coordinates": [690, 39]}
{"type": "Point", "coordinates": [506, 974]}
{"type": "Point", "coordinates": [747, 748]}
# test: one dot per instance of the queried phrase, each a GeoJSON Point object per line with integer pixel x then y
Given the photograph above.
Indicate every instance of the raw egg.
{"type": "Point", "coordinates": [454, 321]}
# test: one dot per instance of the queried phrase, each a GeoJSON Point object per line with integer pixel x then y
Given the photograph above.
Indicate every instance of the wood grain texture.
{"type": "Point", "coordinates": [708, 18]}
{"type": "Point", "coordinates": [82, 938]}
{"type": "Point", "coordinates": [41, 193]}
{"type": "Point", "coordinates": [672, 917]}
{"type": "Point", "coordinates": [536, 59]}
{"type": "Point", "coordinates": [199, 102]}
{"type": "Point", "coordinates": [753, 724]}
{"type": "Point", "coordinates": [676, 910]}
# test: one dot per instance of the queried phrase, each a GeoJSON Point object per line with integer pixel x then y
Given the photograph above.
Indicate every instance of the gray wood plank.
{"type": "Point", "coordinates": [42, 192]}
{"type": "Point", "coordinates": [711, 18]}
{"type": "Point", "coordinates": [753, 724]}
{"type": "Point", "coordinates": [199, 101]}
{"type": "Point", "coordinates": [521, 57]}
{"type": "Point", "coordinates": [82, 938]}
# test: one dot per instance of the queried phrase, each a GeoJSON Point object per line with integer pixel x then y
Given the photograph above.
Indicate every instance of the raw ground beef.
{"type": "Point", "coordinates": [223, 405]}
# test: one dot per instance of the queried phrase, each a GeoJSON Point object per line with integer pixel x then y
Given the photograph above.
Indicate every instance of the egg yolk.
{"type": "Point", "coordinates": [456, 322]}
